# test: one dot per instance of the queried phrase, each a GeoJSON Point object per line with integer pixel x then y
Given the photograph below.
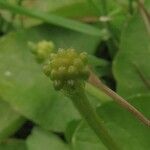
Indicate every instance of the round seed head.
{"type": "Point", "coordinates": [78, 63]}
{"type": "Point", "coordinates": [42, 49]}
{"type": "Point", "coordinates": [45, 45]}
{"type": "Point", "coordinates": [65, 62]}
{"type": "Point", "coordinates": [67, 67]}
{"type": "Point", "coordinates": [71, 54]}
{"type": "Point", "coordinates": [72, 71]}
{"type": "Point", "coordinates": [62, 72]}
{"type": "Point", "coordinates": [55, 63]}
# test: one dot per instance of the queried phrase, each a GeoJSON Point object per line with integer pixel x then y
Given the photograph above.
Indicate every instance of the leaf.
{"type": "Point", "coordinates": [132, 59]}
{"type": "Point", "coordinates": [146, 4]}
{"type": "Point", "coordinates": [27, 89]}
{"type": "Point", "coordinates": [10, 121]}
{"type": "Point", "coordinates": [40, 139]}
{"type": "Point", "coordinates": [81, 137]}
{"type": "Point", "coordinates": [13, 144]}
{"type": "Point", "coordinates": [127, 131]}
{"type": "Point", "coordinates": [69, 10]}
{"type": "Point", "coordinates": [64, 38]}
{"type": "Point", "coordinates": [63, 7]}
{"type": "Point", "coordinates": [56, 20]}
{"type": "Point", "coordinates": [49, 6]}
{"type": "Point", "coordinates": [23, 84]}
{"type": "Point", "coordinates": [99, 65]}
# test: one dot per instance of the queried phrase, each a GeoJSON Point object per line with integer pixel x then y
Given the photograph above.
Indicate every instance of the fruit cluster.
{"type": "Point", "coordinates": [66, 68]}
{"type": "Point", "coordinates": [42, 49]}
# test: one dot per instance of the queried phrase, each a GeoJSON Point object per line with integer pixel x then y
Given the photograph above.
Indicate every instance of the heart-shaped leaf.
{"type": "Point", "coordinates": [128, 132]}
{"type": "Point", "coordinates": [40, 139]}
{"type": "Point", "coordinates": [131, 66]}
{"type": "Point", "coordinates": [10, 121]}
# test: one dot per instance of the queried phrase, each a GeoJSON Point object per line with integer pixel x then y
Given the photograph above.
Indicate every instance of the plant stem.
{"type": "Point", "coordinates": [81, 102]}
{"type": "Point", "coordinates": [101, 96]}
{"type": "Point", "coordinates": [117, 98]}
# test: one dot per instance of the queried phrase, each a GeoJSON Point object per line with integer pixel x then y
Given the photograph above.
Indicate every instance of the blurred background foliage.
{"type": "Point", "coordinates": [115, 34]}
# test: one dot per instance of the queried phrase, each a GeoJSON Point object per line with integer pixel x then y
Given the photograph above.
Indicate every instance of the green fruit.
{"type": "Point", "coordinates": [66, 68]}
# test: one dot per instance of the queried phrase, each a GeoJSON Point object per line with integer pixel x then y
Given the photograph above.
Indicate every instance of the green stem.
{"type": "Point", "coordinates": [117, 98]}
{"type": "Point", "coordinates": [81, 102]}
{"type": "Point", "coordinates": [99, 95]}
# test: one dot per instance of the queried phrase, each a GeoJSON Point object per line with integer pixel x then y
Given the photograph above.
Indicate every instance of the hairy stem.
{"type": "Point", "coordinates": [121, 101]}
{"type": "Point", "coordinates": [95, 122]}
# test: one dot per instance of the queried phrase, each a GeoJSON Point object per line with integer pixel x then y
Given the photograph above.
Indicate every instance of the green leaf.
{"type": "Point", "coordinates": [24, 85]}
{"type": "Point", "coordinates": [10, 121]}
{"type": "Point", "coordinates": [81, 137]}
{"type": "Point", "coordinates": [125, 129]}
{"type": "Point", "coordinates": [13, 144]}
{"type": "Point", "coordinates": [64, 38]}
{"type": "Point", "coordinates": [56, 20]}
{"type": "Point", "coordinates": [131, 67]}
{"type": "Point", "coordinates": [70, 10]}
{"type": "Point", "coordinates": [100, 66]}
{"type": "Point", "coordinates": [26, 88]}
{"type": "Point", "coordinates": [40, 139]}
{"type": "Point", "coordinates": [147, 4]}
{"type": "Point", "coordinates": [63, 8]}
